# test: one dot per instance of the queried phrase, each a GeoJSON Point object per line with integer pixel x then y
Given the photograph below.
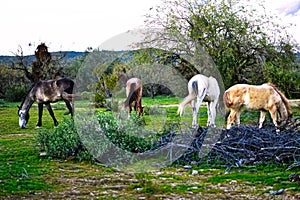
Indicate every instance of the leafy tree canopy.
{"type": "Point", "coordinates": [244, 41]}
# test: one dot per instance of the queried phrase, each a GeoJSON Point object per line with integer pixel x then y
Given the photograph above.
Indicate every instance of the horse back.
{"type": "Point", "coordinates": [66, 85]}
{"type": "Point", "coordinates": [235, 95]}
{"type": "Point", "coordinates": [51, 90]}
{"type": "Point", "coordinates": [213, 88]}
{"type": "Point", "coordinates": [198, 84]}
{"type": "Point", "coordinates": [133, 90]}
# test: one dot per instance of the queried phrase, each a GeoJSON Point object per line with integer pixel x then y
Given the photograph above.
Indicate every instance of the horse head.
{"type": "Point", "coordinates": [23, 117]}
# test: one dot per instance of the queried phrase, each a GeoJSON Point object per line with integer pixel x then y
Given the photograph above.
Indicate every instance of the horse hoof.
{"type": "Point", "coordinates": [212, 126]}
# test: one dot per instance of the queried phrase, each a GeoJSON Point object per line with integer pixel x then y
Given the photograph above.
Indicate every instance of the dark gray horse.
{"type": "Point", "coordinates": [46, 92]}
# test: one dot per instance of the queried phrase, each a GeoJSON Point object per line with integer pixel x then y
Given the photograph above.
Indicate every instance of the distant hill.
{"type": "Point", "coordinates": [69, 56]}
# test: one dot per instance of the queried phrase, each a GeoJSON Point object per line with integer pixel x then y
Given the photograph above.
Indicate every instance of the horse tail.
{"type": "Point", "coordinates": [185, 101]}
{"type": "Point", "coordinates": [284, 100]}
{"type": "Point", "coordinates": [195, 87]}
{"type": "Point", "coordinates": [226, 99]}
{"type": "Point", "coordinates": [67, 96]}
{"type": "Point", "coordinates": [130, 96]}
{"type": "Point", "coordinates": [189, 98]}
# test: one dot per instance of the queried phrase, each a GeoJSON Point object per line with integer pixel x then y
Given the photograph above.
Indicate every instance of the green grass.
{"type": "Point", "coordinates": [161, 100]}
{"type": "Point", "coordinates": [20, 169]}
{"type": "Point", "coordinates": [264, 179]}
{"type": "Point", "coordinates": [24, 173]}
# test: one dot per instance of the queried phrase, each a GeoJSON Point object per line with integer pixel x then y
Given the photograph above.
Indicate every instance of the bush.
{"type": "Point", "coordinates": [126, 134]}
{"type": "Point", "coordinates": [85, 141]}
{"type": "Point", "coordinates": [15, 93]}
{"type": "Point", "coordinates": [63, 142]}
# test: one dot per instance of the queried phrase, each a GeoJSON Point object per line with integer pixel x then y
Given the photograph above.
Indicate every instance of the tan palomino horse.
{"type": "Point", "coordinates": [134, 91]}
{"type": "Point", "coordinates": [202, 88]}
{"type": "Point", "coordinates": [264, 97]}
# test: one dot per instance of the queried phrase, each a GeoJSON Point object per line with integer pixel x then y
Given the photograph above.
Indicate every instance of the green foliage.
{"type": "Point", "coordinates": [85, 76]}
{"type": "Point", "coordinates": [105, 83]}
{"type": "Point", "coordinates": [15, 93]}
{"type": "Point", "coordinates": [99, 99]}
{"type": "Point", "coordinates": [72, 69]}
{"type": "Point", "coordinates": [63, 142]}
{"type": "Point", "coordinates": [126, 134]}
{"type": "Point", "coordinates": [233, 33]}
{"type": "Point", "coordinates": [11, 80]}
{"type": "Point", "coordinates": [284, 79]}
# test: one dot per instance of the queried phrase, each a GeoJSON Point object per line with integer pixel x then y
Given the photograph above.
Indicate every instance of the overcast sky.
{"type": "Point", "coordinates": [77, 24]}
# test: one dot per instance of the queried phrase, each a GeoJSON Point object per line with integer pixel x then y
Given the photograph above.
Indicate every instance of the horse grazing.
{"type": "Point", "coordinates": [134, 91]}
{"type": "Point", "coordinates": [204, 88]}
{"type": "Point", "coordinates": [264, 97]}
{"type": "Point", "coordinates": [46, 92]}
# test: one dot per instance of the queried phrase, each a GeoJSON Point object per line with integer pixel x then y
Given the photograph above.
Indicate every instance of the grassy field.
{"type": "Point", "coordinates": [24, 173]}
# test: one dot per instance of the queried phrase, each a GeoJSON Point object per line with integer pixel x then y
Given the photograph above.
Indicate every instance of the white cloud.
{"type": "Point", "coordinates": [287, 7]}
{"type": "Point", "coordinates": [289, 13]}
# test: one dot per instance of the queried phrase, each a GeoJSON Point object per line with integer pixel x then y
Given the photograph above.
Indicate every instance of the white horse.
{"type": "Point", "coordinates": [204, 88]}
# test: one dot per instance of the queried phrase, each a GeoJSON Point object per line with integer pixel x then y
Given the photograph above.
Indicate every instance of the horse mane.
{"type": "Point", "coordinates": [284, 99]}
{"type": "Point", "coordinates": [26, 94]}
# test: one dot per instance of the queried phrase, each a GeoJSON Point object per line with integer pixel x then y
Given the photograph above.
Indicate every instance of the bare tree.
{"type": "Point", "coordinates": [44, 67]}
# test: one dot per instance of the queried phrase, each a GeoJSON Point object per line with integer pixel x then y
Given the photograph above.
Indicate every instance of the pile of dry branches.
{"type": "Point", "coordinates": [250, 145]}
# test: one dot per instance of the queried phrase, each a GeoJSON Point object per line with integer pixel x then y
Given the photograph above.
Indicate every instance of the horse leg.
{"type": "Point", "coordinates": [209, 117]}
{"type": "Point", "coordinates": [195, 112]}
{"type": "Point", "coordinates": [262, 118]}
{"type": "Point", "coordinates": [129, 109]}
{"type": "Point", "coordinates": [211, 112]}
{"type": "Point", "coordinates": [40, 114]}
{"type": "Point", "coordinates": [51, 113]}
{"type": "Point", "coordinates": [273, 114]}
{"type": "Point", "coordinates": [70, 107]}
{"type": "Point", "coordinates": [237, 118]}
{"type": "Point", "coordinates": [139, 107]}
{"type": "Point", "coordinates": [231, 118]}
{"type": "Point", "coordinates": [136, 106]}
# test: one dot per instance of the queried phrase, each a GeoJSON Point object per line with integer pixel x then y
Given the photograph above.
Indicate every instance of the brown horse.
{"type": "Point", "coordinates": [134, 91]}
{"type": "Point", "coordinates": [46, 92]}
{"type": "Point", "coordinates": [264, 97]}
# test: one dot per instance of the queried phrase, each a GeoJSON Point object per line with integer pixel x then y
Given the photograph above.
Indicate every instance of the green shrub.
{"type": "Point", "coordinates": [99, 100]}
{"type": "Point", "coordinates": [63, 142]}
{"type": "Point", "coordinates": [83, 140]}
{"type": "Point", "coordinates": [15, 93]}
{"type": "Point", "coordinates": [128, 135]}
